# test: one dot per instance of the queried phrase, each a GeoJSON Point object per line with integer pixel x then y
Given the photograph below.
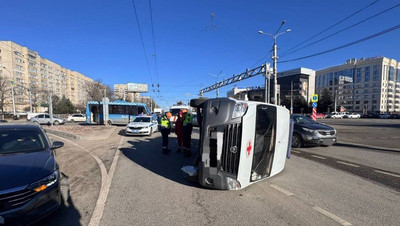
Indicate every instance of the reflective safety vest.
{"type": "Point", "coordinates": [165, 122]}
{"type": "Point", "coordinates": [188, 120]}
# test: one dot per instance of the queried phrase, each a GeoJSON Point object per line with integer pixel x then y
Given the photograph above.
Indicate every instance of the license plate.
{"type": "Point", "coordinates": [135, 131]}
{"type": "Point", "coordinates": [1, 220]}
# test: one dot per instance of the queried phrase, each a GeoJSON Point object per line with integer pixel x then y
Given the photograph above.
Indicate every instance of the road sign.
{"type": "Point", "coordinates": [314, 98]}
{"type": "Point", "coordinates": [314, 105]}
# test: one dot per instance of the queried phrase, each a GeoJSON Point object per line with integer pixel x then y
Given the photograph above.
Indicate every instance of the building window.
{"type": "Point", "coordinates": [336, 78]}
{"type": "Point", "coordinates": [18, 60]}
{"type": "Point", "coordinates": [330, 79]}
{"type": "Point", "coordinates": [367, 74]}
{"type": "Point", "coordinates": [366, 85]}
{"type": "Point", "coordinates": [358, 75]}
{"type": "Point", "coordinates": [366, 96]}
{"type": "Point", "coordinates": [375, 73]}
{"type": "Point", "coordinates": [398, 75]}
{"type": "Point", "coordinates": [391, 73]}
{"type": "Point", "coordinates": [366, 91]}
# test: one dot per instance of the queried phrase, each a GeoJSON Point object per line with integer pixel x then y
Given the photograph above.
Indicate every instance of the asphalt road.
{"type": "Point", "coordinates": [149, 189]}
{"type": "Point", "coordinates": [345, 184]}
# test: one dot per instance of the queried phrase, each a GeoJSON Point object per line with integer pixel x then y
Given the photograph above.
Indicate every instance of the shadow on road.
{"type": "Point", "coordinates": [365, 147]}
{"type": "Point", "coordinates": [147, 152]}
{"type": "Point", "coordinates": [67, 214]}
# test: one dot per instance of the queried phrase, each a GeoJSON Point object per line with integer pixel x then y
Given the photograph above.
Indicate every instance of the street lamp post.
{"type": "Point", "coordinates": [217, 76]}
{"type": "Point", "coordinates": [275, 58]}
{"type": "Point", "coordinates": [12, 90]}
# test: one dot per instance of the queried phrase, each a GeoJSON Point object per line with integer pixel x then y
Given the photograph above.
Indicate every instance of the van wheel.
{"type": "Point", "coordinates": [296, 141]}
{"type": "Point", "coordinates": [197, 102]}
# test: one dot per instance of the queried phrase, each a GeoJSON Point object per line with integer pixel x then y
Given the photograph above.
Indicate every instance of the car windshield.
{"type": "Point", "coordinates": [21, 141]}
{"type": "Point", "coordinates": [303, 120]}
{"type": "Point", "coordinates": [142, 119]}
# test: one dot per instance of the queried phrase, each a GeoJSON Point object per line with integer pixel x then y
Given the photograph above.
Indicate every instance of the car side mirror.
{"type": "Point", "coordinates": [57, 144]}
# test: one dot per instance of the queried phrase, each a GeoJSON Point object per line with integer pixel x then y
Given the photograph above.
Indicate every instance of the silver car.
{"type": "Point", "coordinates": [44, 119]}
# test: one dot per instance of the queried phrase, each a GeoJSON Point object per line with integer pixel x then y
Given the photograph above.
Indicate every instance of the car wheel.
{"type": "Point", "coordinates": [296, 141]}
{"type": "Point", "coordinates": [56, 123]}
{"type": "Point", "coordinates": [151, 132]}
{"type": "Point", "coordinates": [72, 120]}
{"type": "Point", "coordinates": [109, 123]}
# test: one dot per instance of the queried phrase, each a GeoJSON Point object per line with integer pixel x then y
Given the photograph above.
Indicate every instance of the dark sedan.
{"type": "Point", "coordinates": [29, 174]}
{"type": "Point", "coordinates": [309, 133]}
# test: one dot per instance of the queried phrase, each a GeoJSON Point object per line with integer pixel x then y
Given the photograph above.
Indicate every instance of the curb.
{"type": "Point", "coordinates": [62, 134]}
{"type": "Point", "coordinates": [370, 146]}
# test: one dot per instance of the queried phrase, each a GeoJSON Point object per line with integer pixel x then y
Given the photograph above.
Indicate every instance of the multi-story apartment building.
{"type": "Point", "coordinates": [368, 84]}
{"type": "Point", "coordinates": [29, 71]}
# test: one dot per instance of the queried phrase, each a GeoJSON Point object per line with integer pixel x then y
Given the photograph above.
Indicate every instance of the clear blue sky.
{"type": "Point", "coordinates": [101, 38]}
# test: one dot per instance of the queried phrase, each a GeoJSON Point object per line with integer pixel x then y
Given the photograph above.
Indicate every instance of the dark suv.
{"type": "Point", "coordinates": [309, 133]}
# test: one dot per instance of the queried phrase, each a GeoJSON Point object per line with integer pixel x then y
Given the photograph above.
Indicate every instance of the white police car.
{"type": "Point", "coordinates": [142, 125]}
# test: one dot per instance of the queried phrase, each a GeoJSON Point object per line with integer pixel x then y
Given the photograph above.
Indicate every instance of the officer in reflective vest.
{"type": "Point", "coordinates": [187, 132]}
{"type": "Point", "coordinates": [165, 130]}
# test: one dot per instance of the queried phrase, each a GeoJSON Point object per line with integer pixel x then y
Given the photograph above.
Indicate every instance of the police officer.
{"type": "Point", "coordinates": [165, 130]}
{"type": "Point", "coordinates": [187, 132]}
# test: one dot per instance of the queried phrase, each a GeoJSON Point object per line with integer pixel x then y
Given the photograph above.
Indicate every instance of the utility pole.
{"type": "Point", "coordinates": [51, 108]}
{"type": "Point", "coordinates": [275, 58]}
{"type": "Point", "coordinates": [267, 83]}
{"type": "Point", "coordinates": [291, 97]}
{"type": "Point", "coordinates": [151, 105]}
{"type": "Point", "coordinates": [12, 90]}
{"type": "Point", "coordinates": [335, 100]}
{"type": "Point", "coordinates": [30, 100]}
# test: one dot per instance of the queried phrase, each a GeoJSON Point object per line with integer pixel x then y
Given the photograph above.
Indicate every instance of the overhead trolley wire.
{"type": "Point", "coordinates": [141, 38]}
{"type": "Point", "coordinates": [154, 42]}
{"type": "Point", "coordinates": [344, 19]}
{"type": "Point", "coordinates": [346, 45]}
{"type": "Point", "coordinates": [344, 29]}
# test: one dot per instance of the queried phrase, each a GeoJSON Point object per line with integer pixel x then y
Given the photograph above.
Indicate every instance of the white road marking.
{"type": "Point", "coordinates": [318, 157]}
{"type": "Point", "coordinates": [332, 216]}
{"type": "Point", "coordinates": [296, 151]}
{"type": "Point", "coordinates": [105, 188]}
{"type": "Point", "coordinates": [345, 163]}
{"type": "Point", "coordinates": [391, 174]}
{"type": "Point", "coordinates": [281, 190]}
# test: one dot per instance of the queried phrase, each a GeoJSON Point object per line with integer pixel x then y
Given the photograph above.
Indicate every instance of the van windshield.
{"type": "Point", "coordinates": [175, 111]}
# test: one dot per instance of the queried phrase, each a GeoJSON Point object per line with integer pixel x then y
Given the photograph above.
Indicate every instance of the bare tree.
{"type": "Point", "coordinates": [95, 91]}
{"type": "Point", "coordinates": [4, 92]}
{"type": "Point", "coordinates": [36, 97]}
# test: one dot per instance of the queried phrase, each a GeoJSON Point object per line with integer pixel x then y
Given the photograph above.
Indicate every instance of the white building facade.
{"type": "Point", "coordinates": [364, 85]}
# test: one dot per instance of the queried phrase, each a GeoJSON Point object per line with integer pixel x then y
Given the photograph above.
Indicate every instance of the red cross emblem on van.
{"type": "Point", "coordinates": [248, 149]}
